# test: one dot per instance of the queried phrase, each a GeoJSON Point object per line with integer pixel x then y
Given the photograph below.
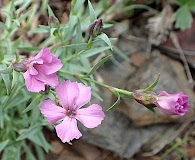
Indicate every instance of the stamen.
{"type": "Point", "coordinates": [70, 113]}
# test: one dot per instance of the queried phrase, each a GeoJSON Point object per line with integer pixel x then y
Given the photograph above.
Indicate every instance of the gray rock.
{"type": "Point", "coordinates": [172, 80]}
{"type": "Point", "coordinates": [118, 134]}
{"type": "Point", "coordinates": [131, 126]}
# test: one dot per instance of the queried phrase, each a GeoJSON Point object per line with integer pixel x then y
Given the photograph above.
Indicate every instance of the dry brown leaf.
{"type": "Point", "coordinates": [160, 25]}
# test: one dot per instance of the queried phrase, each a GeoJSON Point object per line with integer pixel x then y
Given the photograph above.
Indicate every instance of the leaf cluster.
{"type": "Point", "coordinates": [21, 123]}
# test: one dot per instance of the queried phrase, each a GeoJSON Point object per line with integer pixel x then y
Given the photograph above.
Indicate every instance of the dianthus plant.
{"type": "Point", "coordinates": [48, 82]}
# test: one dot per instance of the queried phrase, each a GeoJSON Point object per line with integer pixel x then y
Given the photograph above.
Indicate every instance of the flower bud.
{"type": "Point", "coordinates": [170, 104]}
{"type": "Point", "coordinates": [53, 22]}
{"type": "Point", "coordinates": [19, 66]}
{"type": "Point", "coordinates": [148, 99]}
{"type": "Point", "coordinates": [96, 27]}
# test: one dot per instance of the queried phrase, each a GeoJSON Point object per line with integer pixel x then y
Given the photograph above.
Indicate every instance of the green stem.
{"type": "Point", "coordinates": [123, 93]}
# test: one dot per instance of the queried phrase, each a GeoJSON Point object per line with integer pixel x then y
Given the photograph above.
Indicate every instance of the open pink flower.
{"type": "Point", "coordinates": [173, 104]}
{"type": "Point", "coordinates": [72, 96]}
{"type": "Point", "coordinates": [41, 70]}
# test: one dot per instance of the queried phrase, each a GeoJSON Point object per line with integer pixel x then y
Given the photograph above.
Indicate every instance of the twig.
{"type": "Point", "coordinates": [183, 58]}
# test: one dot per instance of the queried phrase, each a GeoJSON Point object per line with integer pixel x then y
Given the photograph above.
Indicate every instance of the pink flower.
{"type": "Point", "coordinates": [173, 104]}
{"type": "Point", "coordinates": [72, 96]}
{"type": "Point", "coordinates": [41, 70]}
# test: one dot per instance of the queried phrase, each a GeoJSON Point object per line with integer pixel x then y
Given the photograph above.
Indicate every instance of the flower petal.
{"type": "Point", "coordinates": [167, 106]}
{"type": "Point", "coordinates": [84, 95]}
{"type": "Point", "coordinates": [173, 104]}
{"type": "Point", "coordinates": [52, 112]}
{"type": "Point", "coordinates": [32, 84]}
{"type": "Point", "coordinates": [32, 71]}
{"type": "Point", "coordinates": [44, 54]}
{"type": "Point", "coordinates": [51, 63]}
{"type": "Point", "coordinates": [67, 130]}
{"type": "Point", "coordinates": [51, 79]}
{"type": "Point", "coordinates": [91, 116]}
{"type": "Point", "coordinates": [67, 93]}
{"type": "Point", "coordinates": [163, 93]}
{"type": "Point", "coordinates": [49, 68]}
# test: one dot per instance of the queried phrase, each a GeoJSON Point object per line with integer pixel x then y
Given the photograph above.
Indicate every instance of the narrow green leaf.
{"type": "Point", "coordinates": [50, 12]}
{"type": "Point", "coordinates": [96, 95]}
{"type": "Point", "coordinates": [96, 66]}
{"type": "Point", "coordinates": [94, 51]}
{"type": "Point", "coordinates": [176, 146]}
{"type": "Point", "coordinates": [1, 118]}
{"type": "Point", "coordinates": [15, 79]}
{"type": "Point", "coordinates": [78, 5]}
{"type": "Point", "coordinates": [6, 70]}
{"type": "Point", "coordinates": [120, 53]}
{"type": "Point", "coordinates": [11, 152]}
{"type": "Point", "coordinates": [13, 93]}
{"type": "Point", "coordinates": [105, 38]}
{"type": "Point", "coordinates": [71, 29]}
{"type": "Point", "coordinates": [18, 153]}
{"type": "Point", "coordinates": [16, 43]}
{"type": "Point", "coordinates": [47, 42]}
{"type": "Point", "coordinates": [140, 6]}
{"type": "Point", "coordinates": [40, 152]}
{"type": "Point", "coordinates": [35, 115]}
{"type": "Point", "coordinates": [79, 37]}
{"type": "Point", "coordinates": [77, 46]}
{"type": "Point", "coordinates": [26, 133]}
{"type": "Point", "coordinates": [117, 102]}
{"type": "Point", "coordinates": [152, 85]}
{"type": "Point", "coordinates": [99, 42]}
{"type": "Point", "coordinates": [8, 57]}
{"type": "Point", "coordinates": [40, 140]}
{"type": "Point", "coordinates": [28, 48]}
{"type": "Point", "coordinates": [91, 12]}
{"type": "Point", "coordinates": [41, 29]}
{"type": "Point", "coordinates": [86, 63]}
{"type": "Point", "coordinates": [31, 15]}
{"type": "Point", "coordinates": [3, 144]}
{"type": "Point", "coordinates": [6, 79]}
{"type": "Point", "coordinates": [18, 101]}
{"type": "Point", "coordinates": [33, 104]}
{"type": "Point", "coordinates": [44, 4]}
{"type": "Point", "coordinates": [23, 5]}
{"type": "Point", "coordinates": [29, 153]}
{"type": "Point", "coordinates": [3, 26]}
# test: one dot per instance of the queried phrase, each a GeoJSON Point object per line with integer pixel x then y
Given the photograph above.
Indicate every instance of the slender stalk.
{"type": "Point", "coordinates": [123, 93]}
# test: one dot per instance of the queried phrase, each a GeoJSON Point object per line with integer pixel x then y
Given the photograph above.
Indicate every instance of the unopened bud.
{"type": "Point", "coordinates": [96, 27]}
{"type": "Point", "coordinates": [148, 99]}
{"type": "Point", "coordinates": [53, 22]}
{"type": "Point", "coordinates": [19, 66]}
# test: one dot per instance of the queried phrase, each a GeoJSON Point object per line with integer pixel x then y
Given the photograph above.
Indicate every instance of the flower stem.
{"type": "Point", "coordinates": [117, 91]}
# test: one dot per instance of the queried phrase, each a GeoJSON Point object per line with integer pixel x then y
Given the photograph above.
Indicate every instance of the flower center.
{"type": "Point", "coordinates": [70, 113]}
{"type": "Point", "coordinates": [179, 107]}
